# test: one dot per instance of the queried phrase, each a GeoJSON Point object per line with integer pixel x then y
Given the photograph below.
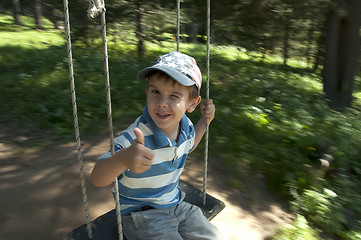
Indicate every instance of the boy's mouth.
{"type": "Point", "coordinates": [163, 115]}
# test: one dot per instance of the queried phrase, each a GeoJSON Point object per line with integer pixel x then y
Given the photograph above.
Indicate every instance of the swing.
{"type": "Point", "coordinates": [108, 225]}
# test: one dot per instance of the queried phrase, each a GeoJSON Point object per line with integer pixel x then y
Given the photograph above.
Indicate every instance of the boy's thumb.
{"type": "Point", "coordinates": [139, 136]}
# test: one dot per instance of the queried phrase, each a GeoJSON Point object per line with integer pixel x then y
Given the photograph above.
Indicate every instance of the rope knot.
{"type": "Point", "coordinates": [95, 7]}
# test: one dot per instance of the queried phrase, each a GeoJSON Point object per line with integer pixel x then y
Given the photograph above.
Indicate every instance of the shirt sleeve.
{"type": "Point", "coordinates": [191, 136]}
{"type": "Point", "coordinates": [124, 140]}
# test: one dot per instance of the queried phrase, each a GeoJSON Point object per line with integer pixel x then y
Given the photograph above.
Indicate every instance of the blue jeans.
{"type": "Point", "coordinates": [183, 221]}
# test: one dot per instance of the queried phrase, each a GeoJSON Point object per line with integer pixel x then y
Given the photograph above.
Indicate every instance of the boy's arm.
{"type": "Point", "coordinates": [136, 158]}
{"type": "Point", "coordinates": [208, 110]}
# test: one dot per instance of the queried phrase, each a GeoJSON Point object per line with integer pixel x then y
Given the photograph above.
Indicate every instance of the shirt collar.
{"type": "Point", "coordinates": [159, 137]}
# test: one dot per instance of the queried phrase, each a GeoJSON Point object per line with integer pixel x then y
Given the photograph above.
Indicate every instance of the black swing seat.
{"type": "Point", "coordinates": [105, 227]}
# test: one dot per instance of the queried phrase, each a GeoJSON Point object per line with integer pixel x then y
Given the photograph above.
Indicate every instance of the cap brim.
{"type": "Point", "coordinates": [179, 77]}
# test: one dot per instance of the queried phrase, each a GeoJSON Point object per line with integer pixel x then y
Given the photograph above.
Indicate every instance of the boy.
{"type": "Point", "coordinates": [151, 153]}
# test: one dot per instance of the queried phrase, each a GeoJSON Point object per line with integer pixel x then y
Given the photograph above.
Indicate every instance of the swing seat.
{"type": "Point", "coordinates": [105, 227]}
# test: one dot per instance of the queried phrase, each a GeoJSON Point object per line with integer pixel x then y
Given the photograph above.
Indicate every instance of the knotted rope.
{"type": "Point", "coordinates": [95, 7]}
{"type": "Point", "coordinates": [75, 116]}
{"type": "Point", "coordinates": [205, 170]}
{"type": "Point", "coordinates": [207, 97]}
{"type": "Point", "coordinates": [98, 7]}
{"type": "Point", "coordinates": [178, 23]}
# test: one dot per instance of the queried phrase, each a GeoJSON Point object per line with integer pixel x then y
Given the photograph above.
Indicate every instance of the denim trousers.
{"type": "Point", "coordinates": [182, 221]}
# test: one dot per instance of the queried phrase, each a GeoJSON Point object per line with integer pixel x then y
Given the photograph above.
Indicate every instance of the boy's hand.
{"type": "Point", "coordinates": [140, 158]}
{"type": "Point", "coordinates": [208, 110]}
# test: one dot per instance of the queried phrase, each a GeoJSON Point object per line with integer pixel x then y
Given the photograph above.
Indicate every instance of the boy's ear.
{"type": "Point", "coordinates": [194, 104]}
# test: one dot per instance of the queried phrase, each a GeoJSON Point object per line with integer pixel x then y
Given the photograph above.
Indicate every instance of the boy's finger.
{"type": "Point", "coordinates": [139, 136]}
{"type": "Point", "coordinates": [208, 101]}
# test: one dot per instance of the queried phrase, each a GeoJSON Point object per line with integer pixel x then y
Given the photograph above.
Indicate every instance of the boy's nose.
{"type": "Point", "coordinates": [163, 102]}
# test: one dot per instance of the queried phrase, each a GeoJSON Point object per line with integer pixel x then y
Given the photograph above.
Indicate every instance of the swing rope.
{"type": "Point", "coordinates": [207, 97]}
{"type": "Point", "coordinates": [75, 116]}
{"type": "Point", "coordinates": [98, 7]}
{"type": "Point", "coordinates": [110, 121]}
{"type": "Point", "coordinates": [178, 23]}
{"type": "Point", "coordinates": [205, 170]}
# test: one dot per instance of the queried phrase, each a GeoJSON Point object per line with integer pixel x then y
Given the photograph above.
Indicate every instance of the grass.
{"type": "Point", "coordinates": [270, 117]}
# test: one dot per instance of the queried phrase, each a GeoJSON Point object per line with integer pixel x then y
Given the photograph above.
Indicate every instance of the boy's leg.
{"type": "Point", "coordinates": [151, 224]}
{"type": "Point", "coordinates": [195, 225]}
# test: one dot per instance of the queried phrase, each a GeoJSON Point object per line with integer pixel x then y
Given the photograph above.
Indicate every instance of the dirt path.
{"type": "Point", "coordinates": [41, 196]}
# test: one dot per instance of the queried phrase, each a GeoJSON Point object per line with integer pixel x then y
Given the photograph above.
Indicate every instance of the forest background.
{"type": "Point", "coordinates": [284, 73]}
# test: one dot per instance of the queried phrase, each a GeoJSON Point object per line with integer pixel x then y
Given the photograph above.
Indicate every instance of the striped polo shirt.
{"type": "Point", "coordinates": [158, 186]}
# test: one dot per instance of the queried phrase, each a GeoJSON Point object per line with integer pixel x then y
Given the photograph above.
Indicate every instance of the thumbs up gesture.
{"type": "Point", "coordinates": [140, 157]}
{"type": "Point", "coordinates": [139, 136]}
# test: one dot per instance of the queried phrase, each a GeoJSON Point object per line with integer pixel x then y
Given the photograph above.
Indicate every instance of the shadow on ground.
{"type": "Point", "coordinates": [41, 195]}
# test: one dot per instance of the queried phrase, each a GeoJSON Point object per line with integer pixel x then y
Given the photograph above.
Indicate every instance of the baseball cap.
{"type": "Point", "coordinates": [179, 66]}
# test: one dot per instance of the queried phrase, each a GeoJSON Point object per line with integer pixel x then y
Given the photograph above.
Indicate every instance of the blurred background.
{"type": "Point", "coordinates": [285, 76]}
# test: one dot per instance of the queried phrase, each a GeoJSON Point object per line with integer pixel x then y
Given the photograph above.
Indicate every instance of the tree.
{"type": "Point", "coordinates": [54, 11]}
{"type": "Point", "coordinates": [286, 15]}
{"type": "Point", "coordinates": [38, 14]}
{"type": "Point", "coordinates": [139, 31]}
{"type": "Point", "coordinates": [341, 52]}
{"type": "Point", "coordinates": [16, 12]}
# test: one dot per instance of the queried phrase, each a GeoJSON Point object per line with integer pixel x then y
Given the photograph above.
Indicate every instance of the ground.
{"type": "Point", "coordinates": [41, 196]}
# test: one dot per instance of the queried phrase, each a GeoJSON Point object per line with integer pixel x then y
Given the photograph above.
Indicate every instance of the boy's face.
{"type": "Point", "coordinates": [167, 101]}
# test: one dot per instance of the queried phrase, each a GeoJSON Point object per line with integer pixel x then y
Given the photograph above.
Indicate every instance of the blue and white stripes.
{"type": "Point", "coordinates": [157, 186]}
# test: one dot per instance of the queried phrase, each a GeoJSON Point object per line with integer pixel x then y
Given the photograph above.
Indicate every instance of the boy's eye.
{"type": "Point", "coordinates": [155, 91]}
{"type": "Point", "coordinates": [175, 96]}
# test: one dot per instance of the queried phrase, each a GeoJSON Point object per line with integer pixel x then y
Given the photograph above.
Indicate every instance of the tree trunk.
{"type": "Point", "coordinates": [286, 42]}
{"type": "Point", "coordinates": [319, 55]}
{"type": "Point", "coordinates": [342, 45]}
{"type": "Point", "coordinates": [194, 32]}
{"type": "Point", "coordinates": [54, 13]}
{"type": "Point", "coordinates": [140, 33]}
{"type": "Point", "coordinates": [309, 44]}
{"type": "Point", "coordinates": [16, 12]}
{"type": "Point", "coordinates": [38, 14]}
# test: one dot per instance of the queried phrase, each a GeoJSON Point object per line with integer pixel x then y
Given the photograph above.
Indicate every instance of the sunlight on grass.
{"type": "Point", "coordinates": [312, 82]}
{"type": "Point", "coordinates": [27, 37]}
{"type": "Point", "coordinates": [357, 91]}
{"type": "Point", "coordinates": [230, 53]}
{"type": "Point", "coordinates": [32, 39]}
{"type": "Point", "coordinates": [162, 47]}
{"type": "Point", "coordinates": [297, 63]}
{"type": "Point", "coordinates": [358, 96]}
{"type": "Point", "coordinates": [7, 23]}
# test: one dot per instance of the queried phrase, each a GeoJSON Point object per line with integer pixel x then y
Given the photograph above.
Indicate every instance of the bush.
{"type": "Point", "coordinates": [299, 230]}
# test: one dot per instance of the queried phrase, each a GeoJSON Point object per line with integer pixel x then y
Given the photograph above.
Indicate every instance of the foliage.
{"type": "Point", "coordinates": [255, 25]}
{"type": "Point", "coordinates": [299, 230]}
{"type": "Point", "coordinates": [270, 117]}
{"type": "Point", "coordinates": [322, 208]}
{"type": "Point", "coordinates": [275, 119]}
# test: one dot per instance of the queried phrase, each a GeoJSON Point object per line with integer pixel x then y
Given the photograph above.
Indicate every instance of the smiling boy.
{"type": "Point", "coordinates": [151, 153]}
